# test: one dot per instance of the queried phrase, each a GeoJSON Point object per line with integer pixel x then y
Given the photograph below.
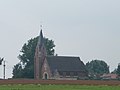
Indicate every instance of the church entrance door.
{"type": "Point", "coordinates": [46, 76]}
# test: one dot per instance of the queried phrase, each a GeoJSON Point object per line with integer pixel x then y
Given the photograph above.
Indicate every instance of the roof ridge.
{"type": "Point", "coordinates": [63, 56]}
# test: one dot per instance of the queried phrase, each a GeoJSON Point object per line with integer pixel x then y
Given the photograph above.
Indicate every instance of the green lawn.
{"type": "Point", "coordinates": [57, 87]}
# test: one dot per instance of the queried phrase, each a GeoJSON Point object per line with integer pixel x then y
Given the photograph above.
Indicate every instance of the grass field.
{"type": "Point", "coordinates": [56, 87]}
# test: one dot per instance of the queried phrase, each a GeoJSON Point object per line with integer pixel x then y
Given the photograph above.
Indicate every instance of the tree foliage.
{"type": "Point", "coordinates": [118, 69]}
{"type": "Point", "coordinates": [25, 68]}
{"type": "Point", "coordinates": [97, 67]}
{"type": "Point", "coordinates": [1, 60]}
{"type": "Point", "coordinates": [114, 71]}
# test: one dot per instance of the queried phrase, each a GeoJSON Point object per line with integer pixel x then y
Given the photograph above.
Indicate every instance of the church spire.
{"type": "Point", "coordinates": [41, 39]}
{"type": "Point", "coordinates": [40, 55]}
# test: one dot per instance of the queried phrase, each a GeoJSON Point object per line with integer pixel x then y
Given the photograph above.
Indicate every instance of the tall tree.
{"type": "Point", "coordinates": [25, 68]}
{"type": "Point", "coordinates": [114, 71]}
{"type": "Point", "coordinates": [118, 69]}
{"type": "Point", "coordinates": [1, 59]}
{"type": "Point", "coordinates": [97, 67]}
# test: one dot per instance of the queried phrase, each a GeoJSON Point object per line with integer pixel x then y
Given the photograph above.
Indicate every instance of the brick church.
{"type": "Point", "coordinates": [56, 67]}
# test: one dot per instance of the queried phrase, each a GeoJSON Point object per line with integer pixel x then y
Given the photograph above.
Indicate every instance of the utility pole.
{"type": "Point", "coordinates": [4, 70]}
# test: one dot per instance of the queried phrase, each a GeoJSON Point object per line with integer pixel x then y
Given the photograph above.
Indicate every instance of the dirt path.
{"type": "Point", "coordinates": [74, 82]}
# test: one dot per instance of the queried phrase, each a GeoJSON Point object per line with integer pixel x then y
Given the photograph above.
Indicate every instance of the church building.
{"type": "Point", "coordinates": [56, 67]}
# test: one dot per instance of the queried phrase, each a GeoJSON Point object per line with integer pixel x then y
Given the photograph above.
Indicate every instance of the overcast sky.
{"type": "Point", "coordinates": [89, 29]}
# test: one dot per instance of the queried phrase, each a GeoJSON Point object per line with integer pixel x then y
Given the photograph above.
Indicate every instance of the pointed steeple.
{"type": "Point", "coordinates": [40, 55]}
{"type": "Point", "coordinates": [41, 39]}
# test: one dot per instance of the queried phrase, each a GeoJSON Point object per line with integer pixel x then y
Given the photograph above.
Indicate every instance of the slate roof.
{"type": "Point", "coordinates": [63, 63]}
